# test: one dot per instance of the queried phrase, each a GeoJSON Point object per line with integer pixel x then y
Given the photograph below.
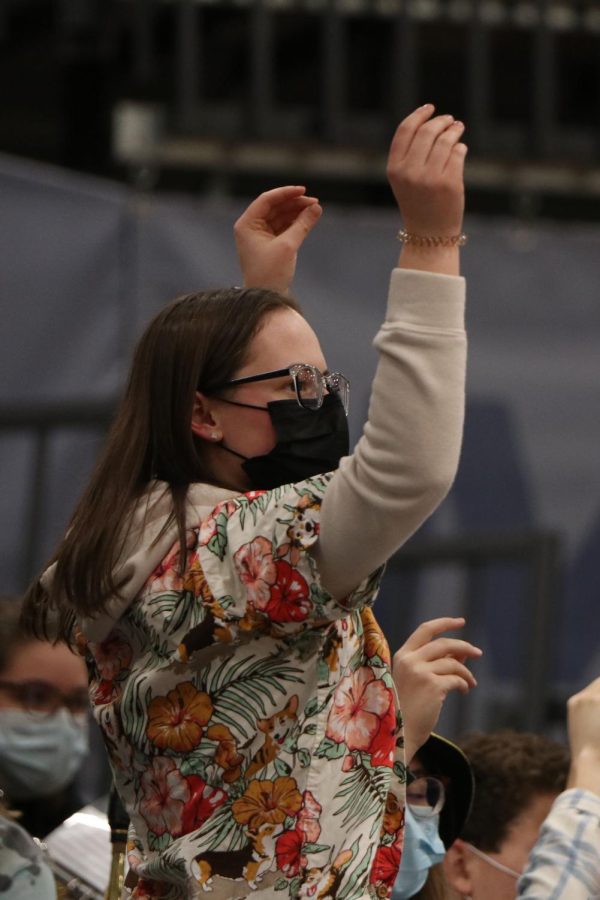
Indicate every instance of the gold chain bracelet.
{"type": "Point", "coordinates": [420, 240]}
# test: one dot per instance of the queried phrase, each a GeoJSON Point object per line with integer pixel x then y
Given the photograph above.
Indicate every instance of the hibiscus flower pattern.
{"type": "Point", "coordinates": [112, 656]}
{"type": "Point", "coordinates": [289, 600]}
{"type": "Point", "coordinates": [257, 570]}
{"type": "Point", "coordinates": [164, 793]}
{"type": "Point", "coordinates": [375, 642]}
{"type": "Point", "coordinates": [290, 857]}
{"type": "Point", "coordinates": [167, 575]}
{"type": "Point", "coordinates": [249, 714]}
{"type": "Point", "coordinates": [291, 846]}
{"type": "Point", "coordinates": [176, 722]}
{"type": "Point", "coordinates": [203, 801]}
{"type": "Point", "coordinates": [112, 659]}
{"type": "Point", "coordinates": [360, 704]}
{"type": "Point", "coordinates": [308, 818]}
{"type": "Point", "coordinates": [385, 868]}
{"type": "Point", "coordinates": [267, 801]}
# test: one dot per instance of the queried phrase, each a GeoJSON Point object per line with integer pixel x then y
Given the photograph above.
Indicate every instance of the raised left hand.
{"type": "Point", "coordinates": [425, 669]}
{"type": "Point", "coordinates": [269, 234]}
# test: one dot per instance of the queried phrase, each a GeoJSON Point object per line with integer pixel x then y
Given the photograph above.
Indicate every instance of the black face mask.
{"type": "Point", "coordinates": [309, 442]}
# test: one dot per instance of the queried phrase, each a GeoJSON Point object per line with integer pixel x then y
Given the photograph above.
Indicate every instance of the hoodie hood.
{"type": "Point", "coordinates": [146, 545]}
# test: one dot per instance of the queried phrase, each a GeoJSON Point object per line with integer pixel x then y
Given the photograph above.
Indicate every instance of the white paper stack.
{"type": "Point", "coordinates": [80, 850]}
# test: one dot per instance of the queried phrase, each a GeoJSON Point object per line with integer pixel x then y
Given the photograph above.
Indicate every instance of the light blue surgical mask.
{"type": "Point", "coordinates": [423, 848]}
{"type": "Point", "coordinates": [40, 754]}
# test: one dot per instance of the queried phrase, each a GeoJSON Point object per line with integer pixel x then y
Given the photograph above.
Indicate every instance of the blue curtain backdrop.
{"type": "Point", "coordinates": [85, 263]}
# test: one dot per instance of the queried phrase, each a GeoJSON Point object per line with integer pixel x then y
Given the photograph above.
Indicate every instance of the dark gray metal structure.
{"type": "Point", "coordinates": [285, 77]}
{"type": "Point", "coordinates": [314, 88]}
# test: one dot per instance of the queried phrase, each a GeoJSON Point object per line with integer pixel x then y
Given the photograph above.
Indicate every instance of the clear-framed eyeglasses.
{"type": "Point", "coordinates": [310, 384]}
{"type": "Point", "coordinates": [425, 796]}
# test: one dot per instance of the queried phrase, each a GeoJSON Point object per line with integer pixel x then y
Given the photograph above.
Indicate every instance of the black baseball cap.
{"type": "Point", "coordinates": [440, 757]}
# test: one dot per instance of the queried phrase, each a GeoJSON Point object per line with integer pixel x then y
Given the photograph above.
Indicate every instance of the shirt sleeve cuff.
{"type": "Point", "coordinates": [426, 300]}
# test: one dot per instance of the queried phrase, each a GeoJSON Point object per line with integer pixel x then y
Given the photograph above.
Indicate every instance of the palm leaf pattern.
{"type": "Point", "coordinates": [365, 791]}
{"type": "Point", "coordinates": [175, 610]}
{"type": "Point", "coordinates": [353, 887]}
{"type": "Point", "coordinates": [243, 691]}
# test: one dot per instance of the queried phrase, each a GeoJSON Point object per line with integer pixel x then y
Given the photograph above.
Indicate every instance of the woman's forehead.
{"type": "Point", "coordinates": [54, 663]}
{"type": "Point", "coordinates": [285, 337]}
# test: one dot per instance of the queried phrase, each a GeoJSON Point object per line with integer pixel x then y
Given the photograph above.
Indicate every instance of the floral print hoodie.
{"type": "Point", "coordinates": [249, 717]}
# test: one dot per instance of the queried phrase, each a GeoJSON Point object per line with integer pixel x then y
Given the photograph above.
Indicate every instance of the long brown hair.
{"type": "Point", "coordinates": [197, 342]}
{"type": "Point", "coordinates": [436, 887]}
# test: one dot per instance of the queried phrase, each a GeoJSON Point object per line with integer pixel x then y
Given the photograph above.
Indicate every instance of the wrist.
{"type": "Point", "coordinates": [442, 260]}
{"type": "Point", "coordinates": [414, 738]}
{"type": "Point", "coordinates": [585, 770]}
{"type": "Point", "coordinates": [410, 748]}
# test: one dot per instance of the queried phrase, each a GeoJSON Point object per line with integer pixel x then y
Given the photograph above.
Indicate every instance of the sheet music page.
{"type": "Point", "coordinates": [82, 846]}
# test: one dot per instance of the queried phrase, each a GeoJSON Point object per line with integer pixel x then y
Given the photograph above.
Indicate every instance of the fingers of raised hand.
{"type": "Point", "coordinates": [406, 130]}
{"type": "Point", "coordinates": [425, 139]}
{"type": "Point", "coordinates": [450, 666]}
{"type": "Point", "coordinates": [455, 163]}
{"type": "Point", "coordinates": [451, 647]}
{"type": "Point", "coordinates": [285, 214]}
{"type": "Point", "coordinates": [269, 200]}
{"type": "Point", "coordinates": [262, 207]}
{"type": "Point", "coordinates": [456, 683]}
{"type": "Point", "coordinates": [442, 147]}
{"type": "Point", "coordinates": [426, 631]}
{"type": "Point", "coordinates": [434, 162]}
{"type": "Point", "coordinates": [295, 230]}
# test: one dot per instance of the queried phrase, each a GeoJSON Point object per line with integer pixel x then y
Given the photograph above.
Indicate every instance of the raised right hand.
{"type": "Point", "coordinates": [584, 737]}
{"type": "Point", "coordinates": [426, 173]}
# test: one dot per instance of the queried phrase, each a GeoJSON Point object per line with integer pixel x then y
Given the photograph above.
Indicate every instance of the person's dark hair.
{"type": "Point", "coordinates": [511, 769]}
{"type": "Point", "coordinates": [197, 342]}
{"type": "Point", "coordinates": [12, 636]}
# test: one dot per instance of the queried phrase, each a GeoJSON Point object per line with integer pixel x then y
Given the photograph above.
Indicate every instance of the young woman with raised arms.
{"type": "Point", "coordinates": [219, 572]}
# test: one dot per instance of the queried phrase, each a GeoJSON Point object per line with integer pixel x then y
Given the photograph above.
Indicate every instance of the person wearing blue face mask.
{"type": "Point", "coordinates": [43, 724]}
{"type": "Point", "coordinates": [440, 782]}
{"type": "Point", "coordinates": [423, 849]}
{"type": "Point", "coordinates": [439, 794]}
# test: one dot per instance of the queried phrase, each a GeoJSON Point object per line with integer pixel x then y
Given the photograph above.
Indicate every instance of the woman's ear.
{"type": "Point", "coordinates": [204, 423]}
{"type": "Point", "coordinates": [457, 868]}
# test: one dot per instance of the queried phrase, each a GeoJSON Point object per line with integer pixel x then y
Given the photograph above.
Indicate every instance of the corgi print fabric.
{"type": "Point", "coordinates": [250, 718]}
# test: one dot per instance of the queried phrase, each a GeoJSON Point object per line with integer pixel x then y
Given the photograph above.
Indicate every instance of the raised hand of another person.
{"type": "Point", "coordinates": [269, 234]}
{"type": "Point", "coordinates": [425, 669]}
{"type": "Point", "coordinates": [426, 173]}
{"type": "Point", "coordinates": [584, 738]}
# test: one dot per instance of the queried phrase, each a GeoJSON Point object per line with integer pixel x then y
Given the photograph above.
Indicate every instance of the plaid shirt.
{"type": "Point", "coordinates": [565, 862]}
